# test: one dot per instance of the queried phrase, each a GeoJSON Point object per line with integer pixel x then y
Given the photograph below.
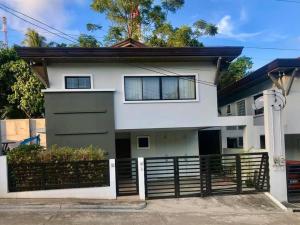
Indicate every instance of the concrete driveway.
{"type": "Point", "coordinates": [219, 210]}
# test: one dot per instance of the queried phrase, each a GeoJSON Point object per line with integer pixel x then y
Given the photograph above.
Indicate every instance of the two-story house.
{"type": "Point", "coordinates": [238, 99]}
{"type": "Point", "coordinates": [132, 100]}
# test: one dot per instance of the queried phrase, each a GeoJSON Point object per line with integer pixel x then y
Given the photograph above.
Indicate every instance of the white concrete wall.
{"type": "Point", "coordinates": [166, 143]}
{"type": "Point", "coordinates": [90, 193]}
{"type": "Point", "coordinates": [290, 120]}
{"type": "Point", "coordinates": [160, 114]}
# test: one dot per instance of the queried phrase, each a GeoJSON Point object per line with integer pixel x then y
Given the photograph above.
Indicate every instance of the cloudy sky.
{"type": "Point", "coordinates": [254, 24]}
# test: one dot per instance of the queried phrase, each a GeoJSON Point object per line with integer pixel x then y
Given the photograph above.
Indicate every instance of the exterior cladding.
{"type": "Point", "coordinates": [78, 119]}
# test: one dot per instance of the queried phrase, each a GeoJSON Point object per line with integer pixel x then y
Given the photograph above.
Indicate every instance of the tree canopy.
{"type": "Point", "coordinates": [237, 70]}
{"type": "Point", "coordinates": [147, 20]}
{"type": "Point", "coordinates": [34, 39]}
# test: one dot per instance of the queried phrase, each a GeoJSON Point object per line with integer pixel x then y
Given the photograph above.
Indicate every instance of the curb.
{"type": "Point", "coordinates": [62, 207]}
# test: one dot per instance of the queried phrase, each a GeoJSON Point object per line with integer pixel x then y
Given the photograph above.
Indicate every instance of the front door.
{"type": "Point", "coordinates": [123, 148]}
{"type": "Point", "coordinates": [209, 142]}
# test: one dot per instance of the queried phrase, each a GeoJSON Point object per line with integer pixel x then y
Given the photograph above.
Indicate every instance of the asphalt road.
{"type": "Point", "coordinates": [221, 210]}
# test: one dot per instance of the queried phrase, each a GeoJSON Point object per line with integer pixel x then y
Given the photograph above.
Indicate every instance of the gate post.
{"type": "Point", "coordinates": [141, 179]}
{"type": "Point", "coordinates": [238, 174]}
{"type": "Point", "coordinates": [275, 144]}
{"type": "Point", "coordinates": [3, 177]}
{"type": "Point", "coordinates": [112, 177]}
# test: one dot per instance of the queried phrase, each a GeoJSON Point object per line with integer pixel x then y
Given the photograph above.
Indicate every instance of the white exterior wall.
{"type": "Point", "coordinates": [166, 143]}
{"type": "Point", "coordinates": [290, 119]}
{"type": "Point", "coordinates": [159, 114]}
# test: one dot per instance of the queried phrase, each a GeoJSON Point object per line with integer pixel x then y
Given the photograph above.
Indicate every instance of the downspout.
{"type": "Point", "coordinates": [218, 71]}
{"type": "Point", "coordinates": [291, 81]}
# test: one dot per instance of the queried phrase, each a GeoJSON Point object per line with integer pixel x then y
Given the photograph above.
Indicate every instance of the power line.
{"type": "Point", "coordinates": [75, 35]}
{"type": "Point", "coordinates": [272, 48]}
{"type": "Point", "coordinates": [168, 75]}
{"type": "Point", "coordinates": [6, 10]}
{"type": "Point", "coordinates": [290, 1]}
{"type": "Point", "coordinates": [23, 14]}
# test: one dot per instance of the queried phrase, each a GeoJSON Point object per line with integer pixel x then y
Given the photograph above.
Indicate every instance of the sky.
{"type": "Point", "coordinates": [253, 24]}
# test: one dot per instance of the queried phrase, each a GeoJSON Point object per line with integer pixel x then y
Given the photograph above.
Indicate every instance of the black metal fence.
{"type": "Point", "coordinates": [293, 181]}
{"type": "Point", "coordinates": [127, 177]}
{"type": "Point", "coordinates": [206, 175]}
{"type": "Point", "coordinates": [46, 176]}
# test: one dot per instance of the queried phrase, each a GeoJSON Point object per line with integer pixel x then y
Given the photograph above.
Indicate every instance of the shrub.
{"type": "Point", "coordinates": [24, 154]}
{"type": "Point", "coordinates": [38, 154]}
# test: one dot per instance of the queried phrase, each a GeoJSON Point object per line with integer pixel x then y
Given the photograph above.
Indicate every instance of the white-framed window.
{"type": "Point", "coordinates": [78, 81]}
{"type": "Point", "coordinates": [143, 142]}
{"type": "Point", "coordinates": [258, 111]}
{"type": "Point", "coordinates": [235, 142]}
{"type": "Point", "coordinates": [241, 108]}
{"type": "Point", "coordinates": [159, 88]}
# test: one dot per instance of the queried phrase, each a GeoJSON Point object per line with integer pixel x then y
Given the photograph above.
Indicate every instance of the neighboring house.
{"type": "Point", "coordinates": [133, 100]}
{"type": "Point", "coordinates": [238, 100]}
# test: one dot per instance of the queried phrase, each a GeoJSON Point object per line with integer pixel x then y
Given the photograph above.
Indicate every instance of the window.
{"type": "Point", "coordinates": [159, 88]}
{"type": "Point", "coordinates": [231, 128]}
{"type": "Point", "coordinates": [258, 111]}
{"type": "Point", "coordinates": [235, 142]}
{"type": "Point", "coordinates": [228, 110]}
{"type": "Point", "coordinates": [143, 142]}
{"type": "Point", "coordinates": [77, 82]}
{"type": "Point", "coordinates": [262, 141]}
{"type": "Point", "coordinates": [241, 108]}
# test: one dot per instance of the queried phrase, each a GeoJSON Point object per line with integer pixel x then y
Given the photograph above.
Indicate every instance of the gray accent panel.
{"type": "Point", "coordinates": [80, 119]}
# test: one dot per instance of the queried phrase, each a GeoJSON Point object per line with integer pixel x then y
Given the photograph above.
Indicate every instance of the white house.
{"type": "Point", "coordinates": [133, 100]}
{"type": "Point", "coordinates": [238, 99]}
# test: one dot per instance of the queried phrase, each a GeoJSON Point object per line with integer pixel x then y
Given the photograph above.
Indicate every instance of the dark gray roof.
{"type": "Point", "coordinates": [257, 77]}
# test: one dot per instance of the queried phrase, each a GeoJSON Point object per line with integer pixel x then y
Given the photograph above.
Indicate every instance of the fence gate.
{"type": "Point", "coordinates": [186, 176]}
{"type": "Point", "coordinates": [127, 177]}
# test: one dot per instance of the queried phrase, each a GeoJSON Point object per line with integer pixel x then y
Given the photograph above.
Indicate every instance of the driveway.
{"type": "Point", "coordinates": [219, 210]}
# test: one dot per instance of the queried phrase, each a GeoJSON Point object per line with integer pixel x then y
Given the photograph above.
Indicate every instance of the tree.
{"type": "Point", "coordinates": [34, 39]}
{"type": "Point", "coordinates": [144, 19]}
{"type": "Point", "coordinates": [7, 79]}
{"type": "Point", "coordinates": [236, 71]}
{"type": "Point", "coordinates": [88, 41]}
{"type": "Point", "coordinates": [26, 90]}
{"type": "Point", "coordinates": [20, 89]}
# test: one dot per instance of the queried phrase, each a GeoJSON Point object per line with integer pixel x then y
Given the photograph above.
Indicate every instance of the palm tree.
{"type": "Point", "coordinates": [34, 39]}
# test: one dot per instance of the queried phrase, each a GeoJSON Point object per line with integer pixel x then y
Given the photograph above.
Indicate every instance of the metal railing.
{"type": "Point", "coordinates": [61, 175]}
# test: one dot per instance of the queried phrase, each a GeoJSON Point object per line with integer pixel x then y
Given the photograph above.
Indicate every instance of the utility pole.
{"type": "Point", "coordinates": [4, 30]}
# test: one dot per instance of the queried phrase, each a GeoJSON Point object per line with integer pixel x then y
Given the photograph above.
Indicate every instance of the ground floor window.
{"type": "Point", "coordinates": [143, 142]}
{"type": "Point", "coordinates": [235, 142]}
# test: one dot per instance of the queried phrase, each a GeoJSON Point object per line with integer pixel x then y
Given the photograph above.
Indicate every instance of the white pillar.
{"type": "Point", "coordinates": [3, 176]}
{"type": "Point", "coordinates": [141, 178]}
{"type": "Point", "coordinates": [249, 135]}
{"type": "Point", "coordinates": [112, 177]}
{"type": "Point", "coordinates": [275, 145]}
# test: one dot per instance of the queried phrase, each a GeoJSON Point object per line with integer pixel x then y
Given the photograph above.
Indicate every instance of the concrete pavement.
{"type": "Point", "coordinates": [219, 210]}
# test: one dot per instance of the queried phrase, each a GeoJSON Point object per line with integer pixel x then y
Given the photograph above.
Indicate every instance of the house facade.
{"type": "Point", "coordinates": [242, 99]}
{"type": "Point", "coordinates": [132, 100]}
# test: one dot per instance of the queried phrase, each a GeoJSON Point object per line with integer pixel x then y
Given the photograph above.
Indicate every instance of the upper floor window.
{"type": "Point", "coordinates": [258, 111]}
{"type": "Point", "coordinates": [78, 82]}
{"type": "Point", "coordinates": [228, 110]}
{"type": "Point", "coordinates": [146, 88]}
{"type": "Point", "coordinates": [241, 108]}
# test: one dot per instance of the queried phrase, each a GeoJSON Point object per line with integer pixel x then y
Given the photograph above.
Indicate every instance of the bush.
{"type": "Point", "coordinates": [38, 154]}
